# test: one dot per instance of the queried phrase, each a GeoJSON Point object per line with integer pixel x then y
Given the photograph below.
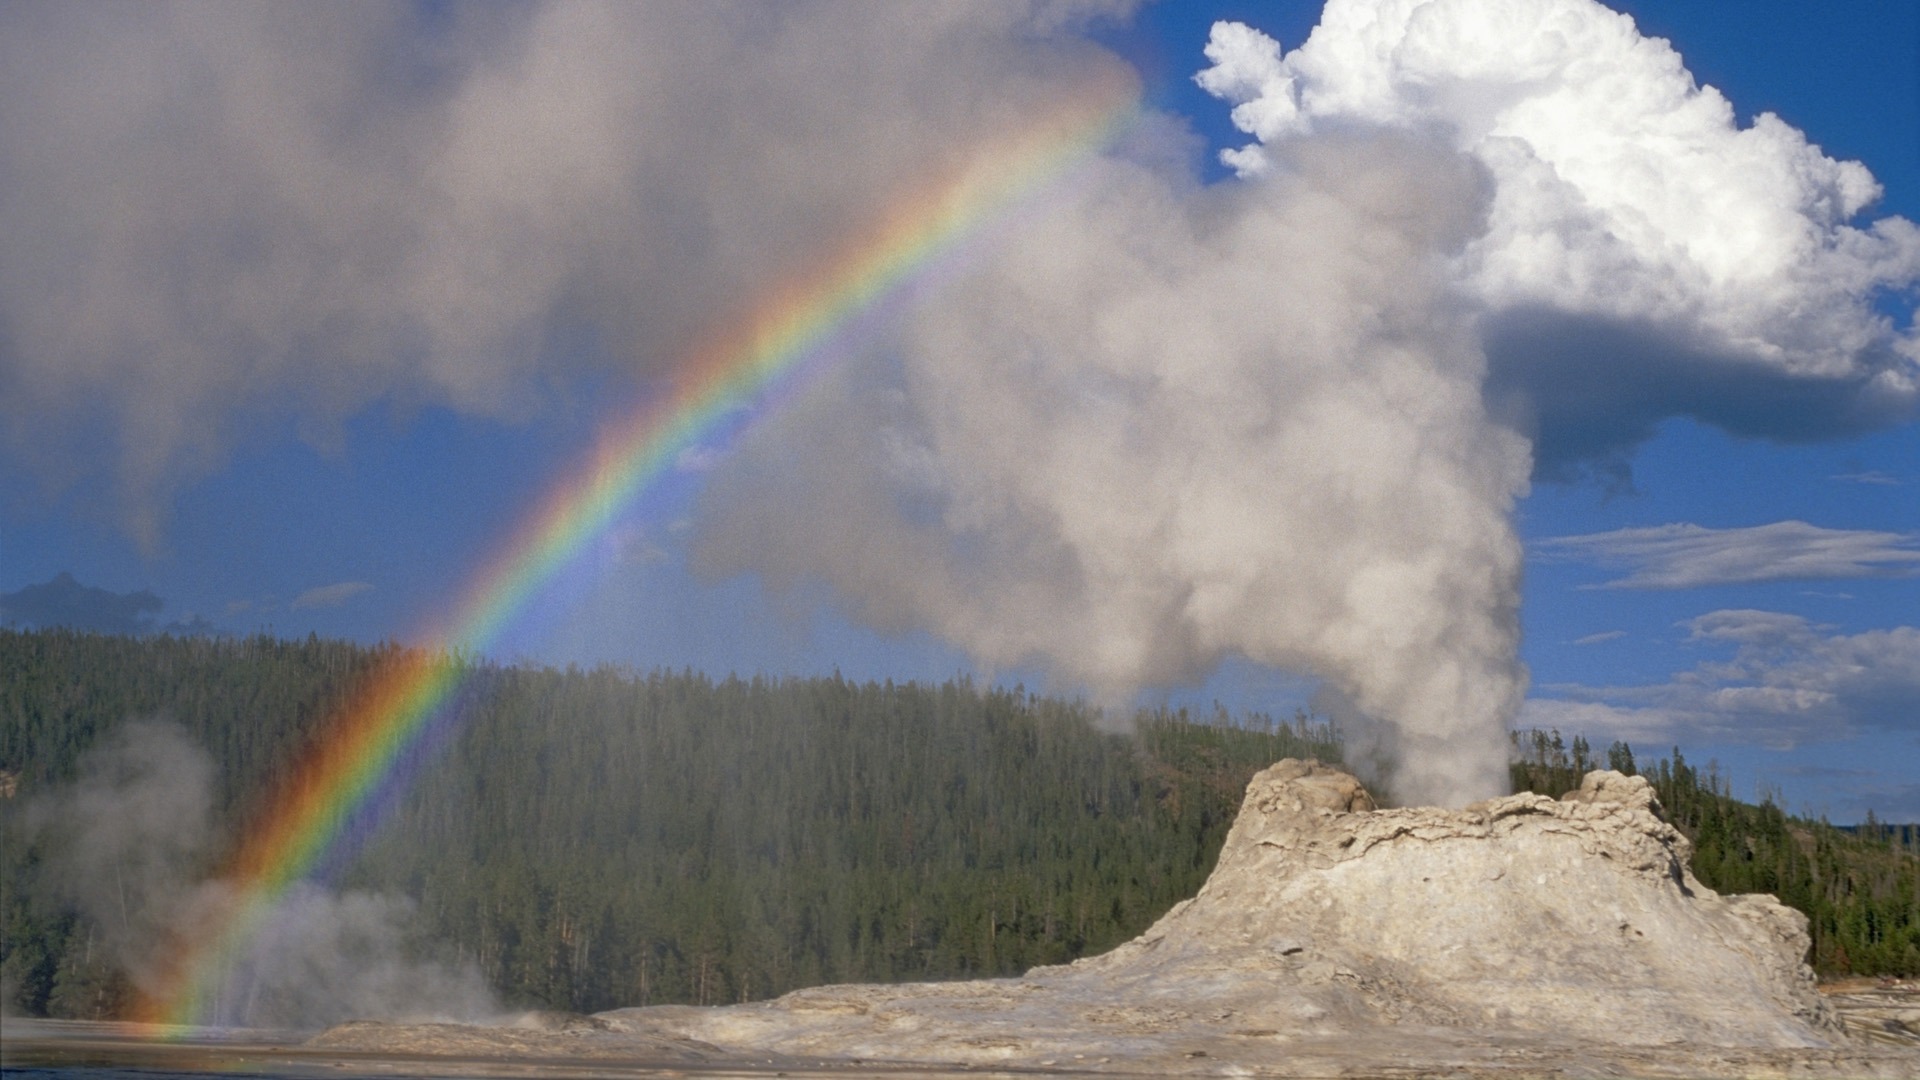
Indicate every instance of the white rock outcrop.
{"type": "Point", "coordinates": [1577, 917]}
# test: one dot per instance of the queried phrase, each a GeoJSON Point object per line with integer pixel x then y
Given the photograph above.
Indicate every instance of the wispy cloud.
{"type": "Point", "coordinates": [325, 596]}
{"type": "Point", "coordinates": [635, 546]}
{"type": "Point", "coordinates": [1849, 794]}
{"type": "Point", "coordinates": [1684, 556]}
{"type": "Point", "coordinates": [1871, 476]}
{"type": "Point", "coordinates": [1788, 681]}
{"type": "Point", "coordinates": [1604, 635]}
{"type": "Point", "coordinates": [1824, 772]}
{"type": "Point", "coordinates": [1889, 801]}
{"type": "Point", "coordinates": [698, 459]}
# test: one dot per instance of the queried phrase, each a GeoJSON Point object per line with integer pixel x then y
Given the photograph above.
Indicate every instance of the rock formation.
{"type": "Point", "coordinates": [1519, 936]}
{"type": "Point", "coordinates": [1577, 917]}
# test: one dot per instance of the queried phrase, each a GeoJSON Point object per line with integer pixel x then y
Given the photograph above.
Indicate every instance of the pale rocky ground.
{"type": "Point", "coordinates": [1522, 936]}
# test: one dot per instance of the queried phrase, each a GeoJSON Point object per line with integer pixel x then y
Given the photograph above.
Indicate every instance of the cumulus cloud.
{"type": "Point", "coordinates": [325, 596]}
{"type": "Point", "coordinates": [221, 216]}
{"type": "Point", "coordinates": [1688, 556]}
{"type": "Point", "coordinates": [1787, 681]}
{"type": "Point", "coordinates": [1646, 254]}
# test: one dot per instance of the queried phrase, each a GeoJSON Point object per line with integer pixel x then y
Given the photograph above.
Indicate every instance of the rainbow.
{"type": "Point", "coordinates": [800, 323]}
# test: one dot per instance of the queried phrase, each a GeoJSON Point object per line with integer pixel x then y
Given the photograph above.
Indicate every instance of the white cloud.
{"type": "Point", "coordinates": [1247, 70]}
{"type": "Point", "coordinates": [1872, 476]}
{"type": "Point", "coordinates": [1645, 254]}
{"type": "Point", "coordinates": [1787, 681]}
{"type": "Point", "coordinates": [325, 596]}
{"type": "Point", "coordinates": [1683, 556]}
{"type": "Point", "coordinates": [1605, 635]}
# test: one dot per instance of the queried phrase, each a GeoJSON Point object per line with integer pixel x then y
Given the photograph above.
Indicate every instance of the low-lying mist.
{"type": "Point", "coordinates": [130, 846]}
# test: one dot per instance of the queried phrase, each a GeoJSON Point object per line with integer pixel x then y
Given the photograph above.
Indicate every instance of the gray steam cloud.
{"type": "Point", "coordinates": [229, 217]}
{"type": "Point", "coordinates": [129, 847]}
{"type": "Point", "coordinates": [1285, 417]}
{"type": "Point", "coordinates": [325, 957]}
{"type": "Point", "coordinates": [1171, 426]}
{"type": "Point", "coordinates": [128, 843]}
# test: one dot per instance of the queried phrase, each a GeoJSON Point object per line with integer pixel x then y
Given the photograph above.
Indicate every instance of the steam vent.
{"type": "Point", "coordinates": [1521, 936]}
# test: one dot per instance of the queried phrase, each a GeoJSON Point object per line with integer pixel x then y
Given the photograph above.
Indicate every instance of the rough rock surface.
{"type": "Point", "coordinates": [1519, 936]}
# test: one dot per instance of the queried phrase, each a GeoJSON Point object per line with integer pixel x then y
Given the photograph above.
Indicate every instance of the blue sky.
{"type": "Point", "coordinates": [355, 503]}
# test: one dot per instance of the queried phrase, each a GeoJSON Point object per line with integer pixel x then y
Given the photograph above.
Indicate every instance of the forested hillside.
{"type": "Point", "coordinates": [597, 838]}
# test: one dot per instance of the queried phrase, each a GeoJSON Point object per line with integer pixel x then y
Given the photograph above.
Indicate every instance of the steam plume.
{"type": "Point", "coordinates": [128, 845]}
{"type": "Point", "coordinates": [128, 841]}
{"type": "Point", "coordinates": [1170, 426]}
{"type": "Point", "coordinates": [1288, 419]}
